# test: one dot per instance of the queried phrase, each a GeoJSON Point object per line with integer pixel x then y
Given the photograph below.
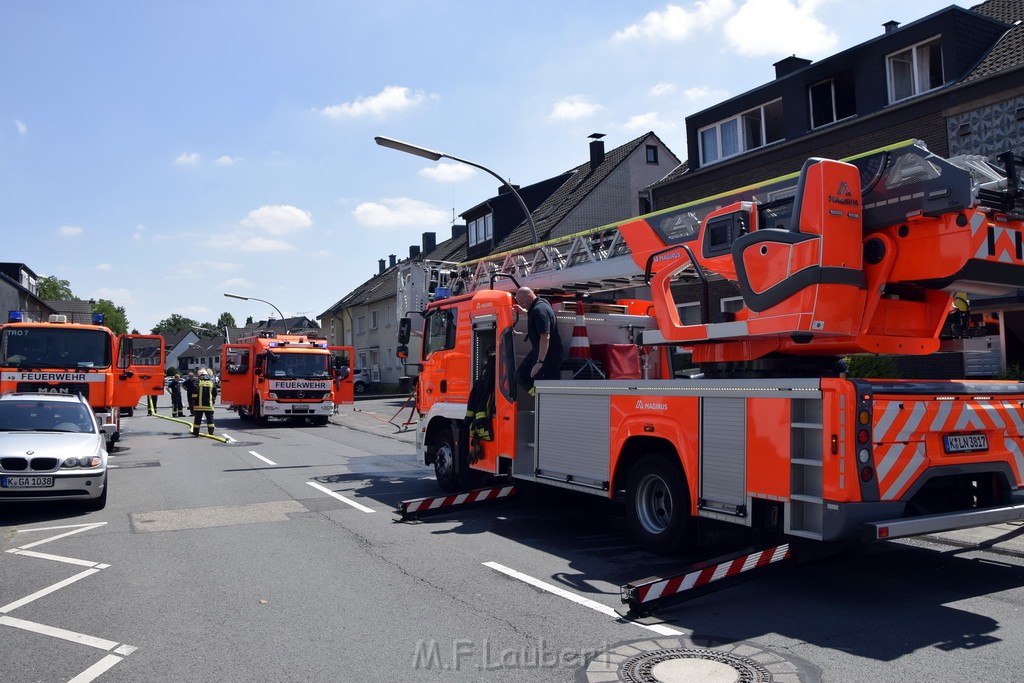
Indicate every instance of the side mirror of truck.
{"type": "Point", "coordinates": [404, 331]}
{"type": "Point", "coordinates": [402, 352]}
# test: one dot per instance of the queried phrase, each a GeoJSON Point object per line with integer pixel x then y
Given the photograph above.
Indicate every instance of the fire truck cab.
{"type": "Point", "coordinates": [293, 376]}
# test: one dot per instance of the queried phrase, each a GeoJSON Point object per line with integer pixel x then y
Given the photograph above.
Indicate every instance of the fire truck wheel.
{"type": "Point", "coordinates": [257, 413]}
{"type": "Point", "coordinates": [658, 505]}
{"type": "Point", "coordinates": [444, 461]}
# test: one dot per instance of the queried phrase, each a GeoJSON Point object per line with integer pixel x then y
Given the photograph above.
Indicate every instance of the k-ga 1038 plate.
{"type": "Point", "coordinates": [965, 443]}
{"type": "Point", "coordinates": [25, 482]}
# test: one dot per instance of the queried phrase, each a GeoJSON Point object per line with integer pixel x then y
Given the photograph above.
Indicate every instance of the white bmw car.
{"type": "Point", "coordinates": [51, 448]}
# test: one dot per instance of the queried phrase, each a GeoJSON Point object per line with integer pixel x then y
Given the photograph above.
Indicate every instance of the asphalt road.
{"type": "Point", "coordinates": [278, 557]}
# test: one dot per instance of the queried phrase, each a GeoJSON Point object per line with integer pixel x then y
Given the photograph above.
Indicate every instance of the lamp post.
{"type": "Point", "coordinates": [435, 156]}
{"type": "Point", "coordinates": [248, 298]}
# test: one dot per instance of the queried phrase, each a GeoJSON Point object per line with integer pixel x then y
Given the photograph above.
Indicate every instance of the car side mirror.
{"type": "Point", "coordinates": [404, 330]}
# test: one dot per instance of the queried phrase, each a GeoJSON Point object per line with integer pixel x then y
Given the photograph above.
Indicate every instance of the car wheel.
{"type": "Point", "coordinates": [360, 387]}
{"type": "Point", "coordinates": [658, 505]}
{"type": "Point", "coordinates": [100, 502]}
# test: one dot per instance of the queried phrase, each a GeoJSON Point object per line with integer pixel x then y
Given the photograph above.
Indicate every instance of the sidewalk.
{"type": "Point", "coordinates": [379, 414]}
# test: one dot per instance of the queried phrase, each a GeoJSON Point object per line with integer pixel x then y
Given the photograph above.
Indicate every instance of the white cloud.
{"type": "Point", "coordinates": [573, 108]}
{"type": "Point", "coordinates": [236, 283]}
{"type": "Point", "coordinates": [659, 89]}
{"type": "Point", "coordinates": [103, 266]}
{"type": "Point", "coordinates": [119, 295]}
{"type": "Point", "coordinates": [788, 22]}
{"type": "Point", "coordinates": [69, 231]}
{"type": "Point", "coordinates": [649, 121]}
{"type": "Point", "coordinates": [704, 93]}
{"type": "Point", "coordinates": [390, 100]}
{"type": "Point", "coordinates": [278, 220]}
{"type": "Point", "coordinates": [397, 212]}
{"type": "Point", "coordinates": [447, 173]}
{"type": "Point", "coordinates": [20, 125]}
{"type": "Point", "coordinates": [225, 161]}
{"type": "Point", "coordinates": [188, 159]}
{"type": "Point", "coordinates": [247, 243]}
{"type": "Point", "coordinates": [140, 230]}
{"type": "Point", "coordinates": [675, 24]}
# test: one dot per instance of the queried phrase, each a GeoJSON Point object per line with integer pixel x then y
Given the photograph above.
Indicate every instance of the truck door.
{"type": "Point", "coordinates": [492, 396]}
{"type": "Point", "coordinates": [343, 374]}
{"type": "Point", "coordinates": [236, 363]}
{"type": "Point", "coordinates": [140, 368]}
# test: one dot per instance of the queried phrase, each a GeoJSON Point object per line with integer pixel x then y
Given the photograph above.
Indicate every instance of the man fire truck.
{"type": "Point", "coordinates": [112, 371]}
{"type": "Point", "coordinates": [847, 257]}
{"type": "Point", "coordinates": [296, 376]}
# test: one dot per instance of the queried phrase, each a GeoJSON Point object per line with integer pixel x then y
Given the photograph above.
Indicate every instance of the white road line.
{"type": "Point", "coordinates": [229, 438]}
{"type": "Point", "coordinates": [586, 602]}
{"type": "Point", "coordinates": [55, 558]}
{"type": "Point", "coordinates": [340, 497]}
{"type": "Point", "coordinates": [46, 591]}
{"type": "Point", "coordinates": [54, 538]}
{"type": "Point", "coordinates": [269, 462]}
{"type": "Point", "coordinates": [63, 634]}
{"type": "Point", "coordinates": [96, 670]}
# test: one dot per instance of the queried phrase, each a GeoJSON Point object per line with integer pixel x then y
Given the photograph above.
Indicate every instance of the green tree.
{"type": "Point", "coordinates": [114, 317]}
{"type": "Point", "coordinates": [225, 320]}
{"type": "Point", "coordinates": [50, 288]}
{"type": "Point", "coordinates": [175, 323]}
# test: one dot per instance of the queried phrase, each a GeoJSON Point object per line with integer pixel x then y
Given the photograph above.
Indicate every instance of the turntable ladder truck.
{"type": "Point", "coordinates": [860, 256]}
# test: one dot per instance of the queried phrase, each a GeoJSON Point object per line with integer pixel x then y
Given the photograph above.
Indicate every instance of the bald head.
{"type": "Point", "coordinates": [525, 296]}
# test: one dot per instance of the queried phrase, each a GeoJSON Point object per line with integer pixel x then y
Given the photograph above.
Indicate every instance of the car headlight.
{"type": "Point", "coordinates": [272, 395]}
{"type": "Point", "coordinates": [88, 461]}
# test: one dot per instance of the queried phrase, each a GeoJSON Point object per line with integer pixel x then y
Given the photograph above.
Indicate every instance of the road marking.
{"type": "Point", "coordinates": [96, 670]}
{"type": "Point", "coordinates": [55, 558]}
{"type": "Point", "coordinates": [56, 528]}
{"type": "Point", "coordinates": [79, 530]}
{"type": "Point", "coordinates": [63, 634]}
{"type": "Point", "coordinates": [46, 591]}
{"type": "Point", "coordinates": [340, 497]}
{"type": "Point", "coordinates": [230, 439]}
{"type": "Point", "coordinates": [586, 602]}
{"type": "Point", "coordinates": [266, 460]}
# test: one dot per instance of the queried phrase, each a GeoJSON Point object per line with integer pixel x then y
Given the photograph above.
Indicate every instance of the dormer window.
{"type": "Point", "coordinates": [915, 70]}
{"type": "Point", "coordinates": [481, 229]}
{"type": "Point", "coordinates": [754, 128]}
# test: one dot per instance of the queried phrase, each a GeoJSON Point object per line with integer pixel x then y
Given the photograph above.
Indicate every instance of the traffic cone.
{"type": "Point", "coordinates": [579, 347]}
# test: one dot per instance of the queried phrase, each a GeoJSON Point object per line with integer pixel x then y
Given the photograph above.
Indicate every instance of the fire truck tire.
{"type": "Point", "coordinates": [445, 468]}
{"type": "Point", "coordinates": [658, 505]}
{"type": "Point", "coordinates": [257, 413]}
{"type": "Point", "coordinates": [318, 420]}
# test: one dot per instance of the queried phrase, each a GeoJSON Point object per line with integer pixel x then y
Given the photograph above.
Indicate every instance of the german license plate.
{"type": "Point", "coordinates": [965, 443]}
{"type": "Point", "coordinates": [25, 482]}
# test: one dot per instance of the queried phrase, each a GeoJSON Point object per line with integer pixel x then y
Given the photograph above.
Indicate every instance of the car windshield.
{"type": "Point", "coordinates": [42, 416]}
{"type": "Point", "coordinates": [299, 366]}
{"type": "Point", "coordinates": [54, 347]}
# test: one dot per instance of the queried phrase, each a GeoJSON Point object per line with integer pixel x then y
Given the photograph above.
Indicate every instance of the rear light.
{"type": "Point", "coordinates": [863, 417]}
{"type": "Point", "coordinates": [862, 437]}
{"type": "Point", "coordinates": [863, 456]}
{"type": "Point", "coordinates": [866, 474]}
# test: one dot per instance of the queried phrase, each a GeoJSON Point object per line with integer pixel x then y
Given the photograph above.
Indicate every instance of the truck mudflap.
{"type": "Point", "coordinates": [946, 521]}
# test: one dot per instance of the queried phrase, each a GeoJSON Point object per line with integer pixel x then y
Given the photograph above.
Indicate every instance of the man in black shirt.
{"type": "Point", "coordinates": [545, 356]}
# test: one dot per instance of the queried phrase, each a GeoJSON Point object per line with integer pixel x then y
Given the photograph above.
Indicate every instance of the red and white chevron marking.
{"type": "Point", "coordinates": [407, 507]}
{"type": "Point", "coordinates": [701, 577]}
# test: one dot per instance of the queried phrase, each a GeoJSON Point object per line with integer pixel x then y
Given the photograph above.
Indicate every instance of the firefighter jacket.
{"type": "Point", "coordinates": [480, 411]}
{"type": "Point", "coordinates": [206, 395]}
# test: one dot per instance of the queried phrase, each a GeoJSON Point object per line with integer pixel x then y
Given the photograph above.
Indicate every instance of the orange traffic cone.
{"type": "Point", "coordinates": [580, 345]}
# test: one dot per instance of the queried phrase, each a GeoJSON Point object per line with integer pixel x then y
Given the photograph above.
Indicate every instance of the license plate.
{"type": "Point", "coordinates": [24, 482]}
{"type": "Point", "coordinates": [965, 443]}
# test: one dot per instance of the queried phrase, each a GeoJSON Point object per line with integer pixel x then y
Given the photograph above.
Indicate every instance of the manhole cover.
{"type": "Point", "coordinates": [705, 666]}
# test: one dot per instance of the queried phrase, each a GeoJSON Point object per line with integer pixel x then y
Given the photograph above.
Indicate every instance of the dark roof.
{"type": "Point", "coordinates": [77, 310]}
{"type": "Point", "coordinates": [1008, 53]}
{"type": "Point", "coordinates": [172, 339]}
{"type": "Point", "coordinates": [581, 182]}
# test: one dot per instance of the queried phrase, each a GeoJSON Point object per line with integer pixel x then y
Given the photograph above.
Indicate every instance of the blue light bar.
{"type": "Point", "coordinates": [442, 293]}
{"type": "Point", "coordinates": [14, 317]}
{"type": "Point", "coordinates": [98, 318]}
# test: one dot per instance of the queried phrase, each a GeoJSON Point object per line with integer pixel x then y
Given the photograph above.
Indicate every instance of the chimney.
{"type": "Point", "coordinates": [392, 260]}
{"type": "Point", "coordinates": [890, 26]}
{"type": "Point", "coordinates": [786, 66]}
{"type": "Point", "coordinates": [429, 242]}
{"type": "Point", "coordinates": [596, 149]}
{"type": "Point", "coordinates": [458, 231]}
{"type": "Point", "coordinates": [380, 266]}
{"type": "Point", "coordinates": [414, 251]}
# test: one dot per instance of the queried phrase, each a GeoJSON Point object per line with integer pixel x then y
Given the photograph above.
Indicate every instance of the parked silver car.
{"type": "Point", "coordinates": [51, 448]}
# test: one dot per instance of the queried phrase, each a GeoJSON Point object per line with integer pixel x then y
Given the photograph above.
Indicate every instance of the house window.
{"type": "Point", "coordinates": [689, 314]}
{"type": "Point", "coordinates": [652, 154]}
{"type": "Point", "coordinates": [831, 101]}
{"type": "Point", "coordinates": [915, 70]}
{"type": "Point", "coordinates": [731, 304]}
{"type": "Point", "coordinates": [755, 128]}
{"type": "Point", "coordinates": [481, 229]}
{"type": "Point", "coordinates": [361, 325]}
{"type": "Point", "coordinates": [373, 320]}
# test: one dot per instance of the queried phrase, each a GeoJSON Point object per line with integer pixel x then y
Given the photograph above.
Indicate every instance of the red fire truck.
{"type": "Point", "coordinates": [296, 376]}
{"type": "Point", "coordinates": [112, 371]}
{"type": "Point", "coordinates": [765, 290]}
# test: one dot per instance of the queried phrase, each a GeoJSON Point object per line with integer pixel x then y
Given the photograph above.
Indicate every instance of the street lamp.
{"type": "Point", "coordinates": [435, 156]}
{"type": "Point", "coordinates": [248, 298]}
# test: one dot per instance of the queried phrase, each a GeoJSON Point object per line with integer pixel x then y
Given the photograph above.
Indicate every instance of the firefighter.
{"type": "Point", "coordinates": [480, 410]}
{"type": "Point", "coordinates": [206, 394]}
{"type": "Point", "coordinates": [544, 360]}
{"type": "Point", "coordinates": [191, 391]}
{"type": "Point", "coordinates": [174, 389]}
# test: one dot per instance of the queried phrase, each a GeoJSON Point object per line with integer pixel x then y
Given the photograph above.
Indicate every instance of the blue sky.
{"type": "Point", "coordinates": [159, 154]}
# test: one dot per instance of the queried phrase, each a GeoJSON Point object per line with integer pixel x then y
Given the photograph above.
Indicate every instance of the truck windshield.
{"type": "Point", "coordinates": [50, 347]}
{"type": "Point", "coordinates": [299, 365]}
